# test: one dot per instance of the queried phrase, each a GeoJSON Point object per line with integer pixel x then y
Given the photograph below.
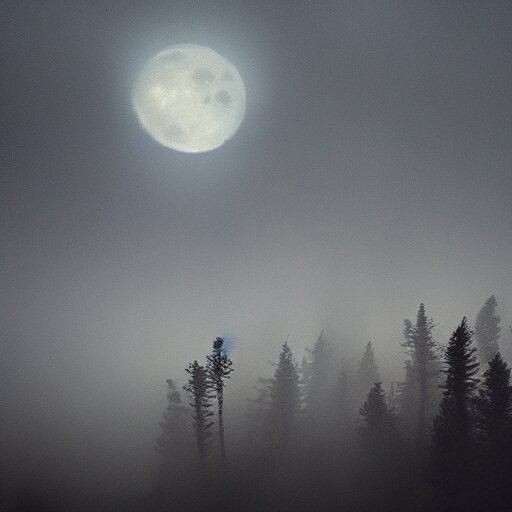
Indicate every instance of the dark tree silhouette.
{"type": "Point", "coordinates": [419, 344]}
{"type": "Point", "coordinates": [487, 330]}
{"type": "Point", "coordinates": [367, 374]}
{"type": "Point", "coordinates": [378, 427]}
{"type": "Point", "coordinates": [198, 388]}
{"type": "Point", "coordinates": [453, 427]}
{"type": "Point", "coordinates": [493, 418]}
{"type": "Point", "coordinates": [219, 368]}
{"type": "Point", "coordinates": [285, 400]}
{"type": "Point", "coordinates": [493, 406]}
{"type": "Point", "coordinates": [407, 400]}
{"type": "Point", "coordinates": [453, 424]}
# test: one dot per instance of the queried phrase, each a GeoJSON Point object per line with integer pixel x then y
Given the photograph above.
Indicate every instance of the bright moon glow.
{"type": "Point", "coordinates": [189, 98]}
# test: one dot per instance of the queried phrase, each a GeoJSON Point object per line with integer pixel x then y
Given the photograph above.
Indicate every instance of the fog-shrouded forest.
{"type": "Point", "coordinates": [328, 431]}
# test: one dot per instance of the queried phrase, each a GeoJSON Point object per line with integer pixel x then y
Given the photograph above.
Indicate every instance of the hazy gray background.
{"type": "Point", "coordinates": [373, 171]}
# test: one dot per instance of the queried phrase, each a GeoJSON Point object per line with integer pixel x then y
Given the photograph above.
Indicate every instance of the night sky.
{"type": "Point", "coordinates": [373, 171]}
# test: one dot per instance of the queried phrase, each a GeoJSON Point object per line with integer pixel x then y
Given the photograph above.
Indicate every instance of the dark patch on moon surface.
{"type": "Point", "coordinates": [227, 76]}
{"type": "Point", "coordinates": [207, 100]}
{"type": "Point", "coordinates": [203, 76]}
{"type": "Point", "coordinates": [224, 98]}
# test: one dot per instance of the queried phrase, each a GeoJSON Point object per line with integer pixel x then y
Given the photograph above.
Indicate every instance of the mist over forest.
{"type": "Point", "coordinates": [313, 316]}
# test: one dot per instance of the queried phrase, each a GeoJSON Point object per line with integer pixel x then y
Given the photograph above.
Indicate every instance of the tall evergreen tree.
{"type": "Point", "coordinates": [493, 411]}
{"type": "Point", "coordinates": [198, 388]}
{"type": "Point", "coordinates": [285, 400]}
{"type": "Point", "coordinates": [367, 374]}
{"type": "Point", "coordinates": [419, 344]}
{"type": "Point", "coordinates": [494, 406]}
{"type": "Point", "coordinates": [487, 330]}
{"type": "Point", "coordinates": [219, 368]}
{"type": "Point", "coordinates": [407, 401]}
{"type": "Point", "coordinates": [378, 428]}
{"type": "Point", "coordinates": [453, 427]}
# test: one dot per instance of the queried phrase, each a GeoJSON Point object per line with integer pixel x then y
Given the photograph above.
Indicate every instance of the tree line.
{"type": "Point", "coordinates": [331, 437]}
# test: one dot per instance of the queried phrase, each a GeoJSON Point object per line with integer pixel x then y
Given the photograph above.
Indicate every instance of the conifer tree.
{"type": "Point", "coordinates": [453, 426]}
{"type": "Point", "coordinates": [494, 406]}
{"type": "Point", "coordinates": [173, 443]}
{"type": "Point", "coordinates": [219, 369]}
{"type": "Point", "coordinates": [341, 398]}
{"type": "Point", "coordinates": [172, 424]}
{"type": "Point", "coordinates": [367, 373]}
{"type": "Point", "coordinates": [419, 344]}
{"type": "Point", "coordinates": [407, 400]}
{"type": "Point", "coordinates": [198, 389]}
{"type": "Point", "coordinates": [317, 377]}
{"type": "Point", "coordinates": [378, 428]}
{"type": "Point", "coordinates": [285, 400]}
{"type": "Point", "coordinates": [487, 330]}
{"type": "Point", "coordinates": [258, 407]}
{"type": "Point", "coordinates": [493, 418]}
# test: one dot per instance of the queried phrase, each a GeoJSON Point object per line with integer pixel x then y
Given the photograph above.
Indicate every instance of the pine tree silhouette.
{"type": "Point", "coordinates": [378, 428]}
{"type": "Point", "coordinates": [494, 405]}
{"type": "Point", "coordinates": [419, 344]}
{"type": "Point", "coordinates": [219, 368]}
{"type": "Point", "coordinates": [453, 427]}
{"type": "Point", "coordinates": [367, 374]}
{"type": "Point", "coordinates": [198, 388]}
{"type": "Point", "coordinates": [285, 401]}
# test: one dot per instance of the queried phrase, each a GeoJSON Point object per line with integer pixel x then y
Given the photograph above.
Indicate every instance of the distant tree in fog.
{"type": "Point", "coordinates": [367, 373]}
{"type": "Point", "coordinates": [285, 400]}
{"type": "Point", "coordinates": [219, 369]}
{"type": "Point", "coordinates": [341, 402]}
{"type": "Point", "coordinates": [317, 378]}
{"type": "Point", "coordinates": [173, 442]}
{"type": "Point", "coordinates": [378, 427]}
{"type": "Point", "coordinates": [199, 391]}
{"type": "Point", "coordinates": [407, 400]}
{"type": "Point", "coordinates": [487, 330]}
{"type": "Point", "coordinates": [419, 344]}
{"type": "Point", "coordinates": [453, 427]}
{"type": "Point", "coordinates": [258, 406]}
{"type": "Point", "coordinates": [173, 423]}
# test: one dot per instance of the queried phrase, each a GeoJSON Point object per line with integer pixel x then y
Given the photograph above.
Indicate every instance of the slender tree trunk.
{"type": "Point", "coordinates": [221, 435]}
{"type": "Point", "coordinates": [422, 402]}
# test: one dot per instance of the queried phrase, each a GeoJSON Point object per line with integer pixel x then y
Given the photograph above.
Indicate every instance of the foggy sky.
{"type": "Point", "coordinates": [373, 171]}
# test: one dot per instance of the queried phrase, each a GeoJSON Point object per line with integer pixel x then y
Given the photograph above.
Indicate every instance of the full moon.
{"type": "Point", "coordinates": [189, 98]}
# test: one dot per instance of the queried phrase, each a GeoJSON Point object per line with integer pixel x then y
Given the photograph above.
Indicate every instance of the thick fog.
{"type": "Point", "coordinates": [372, 172]}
